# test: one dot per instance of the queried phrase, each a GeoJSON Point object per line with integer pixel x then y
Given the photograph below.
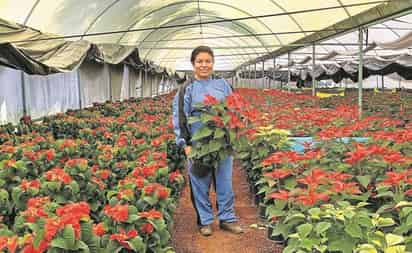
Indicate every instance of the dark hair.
{"type": "Point", "coordinates": [201, 49]}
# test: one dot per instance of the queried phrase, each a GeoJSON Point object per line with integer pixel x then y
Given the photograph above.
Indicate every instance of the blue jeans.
{"type": "Point", "coordinates": [199, 187]}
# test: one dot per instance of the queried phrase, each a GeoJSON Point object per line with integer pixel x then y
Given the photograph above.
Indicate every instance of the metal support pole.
{"type": "Point", "coordinates": [79, 88]}
{"type": "Point", "coordinates": [313, 70]}
{"type": "Point", "coordinates": [23, 94]}
{"type": "Point", "coordinates": [263, 74]}
{"type": "Point", "coordinates": [255, 82]}
{"type": "Point", "coordinates": [360, 72]}
{"type": "Point", "coordinates": [383, 83]}
{"type": "Point", "coordinates": [274, 72]}
{"type": "Point", "coordinates": [288, 71]}
{"type": "Point", "coordinates": [110, 84]}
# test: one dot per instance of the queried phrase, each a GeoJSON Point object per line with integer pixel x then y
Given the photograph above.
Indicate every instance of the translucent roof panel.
{"type": "Point", "coordinates": [259, 27]}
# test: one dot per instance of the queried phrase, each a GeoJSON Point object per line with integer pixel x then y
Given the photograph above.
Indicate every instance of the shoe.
{"type": "Point", "coordinates": [205, 230]}
{"type": "Point", "coordinates": [232, 227]}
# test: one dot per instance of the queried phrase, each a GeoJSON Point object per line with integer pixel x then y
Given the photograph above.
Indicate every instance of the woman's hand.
{"type": "Point", "coordinates": [188, 149]}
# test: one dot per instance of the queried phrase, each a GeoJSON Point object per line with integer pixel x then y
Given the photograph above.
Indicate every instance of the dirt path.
{"type": "Point", "coordinates": [186, 239]}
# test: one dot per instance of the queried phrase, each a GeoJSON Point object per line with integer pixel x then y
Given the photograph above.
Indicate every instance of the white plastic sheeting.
{"type": "Point", "coordinates": [11, 95]}
{"type": "Point", "coordinates": [95, 83]}
{"type": "Point", "coordinates": [67, 17]}
{"type": "Point", "coordinates": [47, 95]}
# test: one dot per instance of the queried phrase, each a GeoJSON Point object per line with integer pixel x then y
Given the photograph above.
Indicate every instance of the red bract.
{"type": "Point", "coordinates": [25, 185]}
{"type": "Point", "coordinates": [315, 178]}
{"type": "Point", "coordinates": [75, 210]}
{"type": "Point", "coordinates": [50, 154]}
{"type": "Point", "coordinates": [118, 213]}
{"type": "Point", "coordinates": [147, 228]}
{"type": "Point", "coordinates": [125, 193]}
{"type": "Point", "coordinates": [104, 174]}
{"type": "Point", "coordinates": [98, 229]}
{"type": "Point", "coordinates": [173, 176]}
{"type": "Point", "coordinates": [338, 176]}
{"type": "Point", "coordinates": [312, 198]}
{"type": "Point", "coordinates": [68, 144]}
{"type": "Point", "coordinates": [395, 178]}
{"type": "Point", "coordinates": [58, 174]}
{"type": "Point", "coordinates": [122, 141]}
{"type": "Point", "coordinates": [209, 100]}
{"type": "Point", "coordinates": [279, 173]}
{"type": "Point", "coordinates": [234, 121]}
{"type": "Point", "coordinates": [340, 187]}
{"type": "Point", "coordinates": [122, 237]}
{"type": "Point", "coordinates": [281, 194]}
{"type": "Point", "coordinates": [218, 121]}
{"type": "Point", "coordinates": [152, 214]}
{"type": "Point", "coordinates": [356, 156]}
{"type": "Point", "coordinates": [235, 102]}
{"type": "Point", "coordinates": [394, 157]}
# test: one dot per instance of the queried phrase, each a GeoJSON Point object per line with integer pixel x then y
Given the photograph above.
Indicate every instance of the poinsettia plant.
{"type": "Point", "coordinates": [220, 124]}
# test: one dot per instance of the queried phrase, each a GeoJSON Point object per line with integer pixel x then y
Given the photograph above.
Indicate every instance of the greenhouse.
{"type": "Point", "coordinates": [206, 126]}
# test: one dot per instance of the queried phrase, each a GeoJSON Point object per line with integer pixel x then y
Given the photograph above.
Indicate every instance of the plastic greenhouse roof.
{"type": "Point", "coordinates": [238, 30]}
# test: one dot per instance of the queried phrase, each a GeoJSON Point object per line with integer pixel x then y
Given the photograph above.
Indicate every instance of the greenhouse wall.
{"type": "Point", "coordinates": [92, 82]}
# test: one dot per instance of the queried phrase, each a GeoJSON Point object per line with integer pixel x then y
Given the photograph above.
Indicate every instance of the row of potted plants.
{"type": "Point", "coordinates": [102, 179]}
{"type": "Point", "coordinates": [339, 195]}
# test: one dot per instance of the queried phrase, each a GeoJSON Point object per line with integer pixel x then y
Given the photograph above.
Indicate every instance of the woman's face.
{"type": "Point", "coordinates": [203, 65]}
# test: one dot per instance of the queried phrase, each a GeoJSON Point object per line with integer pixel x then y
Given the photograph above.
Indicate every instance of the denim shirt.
{"type": "Point", "coordinates": [194, 94]}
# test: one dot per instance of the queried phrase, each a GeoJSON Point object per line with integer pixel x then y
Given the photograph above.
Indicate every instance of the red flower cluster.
{"type": "Point", "coordinates": [122, 237]}
{"type": "Point", "coordinates": [58, 174]}
{"type": "Point", "coordinates": [152, 214]}
{"type": "Point", "coordinates": [210, 100]}
{"type": "Point", "coordinates": [118, 213]}
{"type": "Point", "coordinates": [156, 189]}
{"type": "Point", "coordinates": [25, 185]}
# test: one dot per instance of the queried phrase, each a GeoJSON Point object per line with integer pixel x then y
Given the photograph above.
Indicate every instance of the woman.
{"type": "Point", "coordinates": [202, 59]}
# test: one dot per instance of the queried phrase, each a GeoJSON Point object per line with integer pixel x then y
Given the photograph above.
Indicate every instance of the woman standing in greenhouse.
{"type": "Point", "coordinates": [202, 60]}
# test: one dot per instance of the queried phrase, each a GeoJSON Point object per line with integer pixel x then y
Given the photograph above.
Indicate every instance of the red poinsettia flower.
{"type": "Point", "coordinates": [152, 214]}
{"type": "Point", "coordinates": [279, 173]}
{"type": "Point", "coordinates": [174, 175]}
{"type": "Point", "coordinates": [312, 197]}
{"type": "Point", "coordinates": [281, 194]}
{"type": "Point", "coordinates": [147, 228]}
{"type": "Point", "coordinates": [125, 193]}
{"type": "Point", "coordinates": [209, 100]}
{"type": "Point", "coordinates": [98, 229]}
{"type": "Point", "coordinates": [25, 185]}
{"type": "Point", "coordinates": [315, 178]}
{"type": "Point", "coordinates": [395, 178]}
{"type": "Point", "coordinates": [58, 174]}
{"type": "Point", "coordinates": [118, 213]}
{"type": "Point", "coordinates": [340, 187]}
{"type": "Point", "coordinates": [122, 237]}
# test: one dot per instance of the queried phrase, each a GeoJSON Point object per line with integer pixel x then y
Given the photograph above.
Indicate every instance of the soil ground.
{"type": "Point", "coordinates": [186, 238]}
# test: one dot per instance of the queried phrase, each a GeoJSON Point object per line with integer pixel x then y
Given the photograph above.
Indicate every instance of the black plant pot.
{"type": "Point", "coordinates": [278, 239]}
{"type": "Point", "coordinates": [262, 211]}
{"type": "Point", "coordinates": [258, 199]}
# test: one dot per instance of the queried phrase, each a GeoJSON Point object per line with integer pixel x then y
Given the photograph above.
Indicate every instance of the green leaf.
{"type": "Point", "coordinates": [392, 239]}
{"type": "Point", "coordinates": [203, 132]}
{"type": "Point", "coordinates": [364, 180]}
{"type": "Point", "coordinates": [304, 230]}
{"type": "Point", "coordinates": [69, 238]}
{"type": "Point", "coordinates": [396, 249]}
{"type": "Point", "coordinates": [385, 222]}
{"type": "Point", "coordinates": [137, 244]}
{"type": "Point", "coordinates": [192, 120]}
{"type": "Point", "coordinates": [353, 230]}
{"type": "Point", "coordinates": [151, 200]}
{"type": "Point", "coordinates": [219, 133]}
{"type": "Point", "coordinates": [367, 248]}
{"type": "Point", "coordinates": [59, 243]}
{"type": "Point", "coordinates": [321, 227]}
